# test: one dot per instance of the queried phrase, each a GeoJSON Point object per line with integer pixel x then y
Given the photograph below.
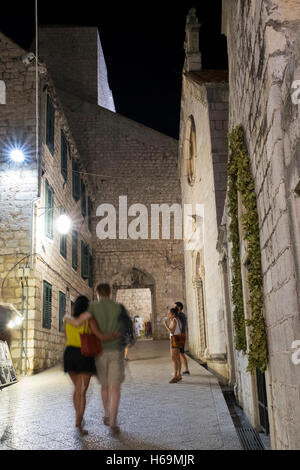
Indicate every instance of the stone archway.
{"type": "Point", "coordinates": [134, 278]}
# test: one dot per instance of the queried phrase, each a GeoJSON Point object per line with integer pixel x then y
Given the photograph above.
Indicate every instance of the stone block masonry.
{"type": "Point", "coordinates": [23, 214]}
{"type": "Point", "coordinates": [264, 57]}
{"type": "Point", "coordinates": [18, 183]}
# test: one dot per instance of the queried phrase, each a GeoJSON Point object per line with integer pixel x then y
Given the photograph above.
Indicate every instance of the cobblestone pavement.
{"type": "Point", "coordinates": [37, 412]}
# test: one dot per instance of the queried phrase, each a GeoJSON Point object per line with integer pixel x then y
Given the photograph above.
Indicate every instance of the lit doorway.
{"type": "Point", "coordinates": [138, 303]}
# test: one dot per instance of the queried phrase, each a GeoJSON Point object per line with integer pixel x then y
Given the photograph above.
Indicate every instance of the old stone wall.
{"type": "Point", "coordinates": [18, 181]}
{"type": "Point", "coordinates": [50, 265]}
{"type": "Point", "coordinates": [137, 302]}
{"type": "Point", "coordinates": [207, 105]}
{"type": "Point", "coordinates": [264, 58]}
{"type": "Point", "coordinates": [23, 204]}
{"type": "Point", "coordinates": [80, 65]}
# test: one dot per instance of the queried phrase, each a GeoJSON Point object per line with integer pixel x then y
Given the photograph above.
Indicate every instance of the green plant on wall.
{"type": "Point", "coordinates": [240, 181]}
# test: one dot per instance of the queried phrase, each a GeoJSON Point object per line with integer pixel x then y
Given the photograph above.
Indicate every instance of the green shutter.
{"type": "Point", "coordinates": [49, 209]}
{"type": "Point", "coordinates": [83, 199]}
{"type": "Point", "coordinates": [64, 156]}
{"type": "Point", "coordinates": [91, 274]}
{"type": "Point", "coordinates": [50, 125]}
{"type": "Point", "coordinates": [84, 260]}
{"type": "Point", "coordinates": [47, 305]}
{"type": "Point", "coordinates": [75, 181]}
{"type": "Point", "coordinates": [63, 241]}
{"type": "Point", "coordinates": [62, 309]}
{"type": "Point", "coordinates": [90, 207]}
{"type": "Point", "coordinates": [74, 249]}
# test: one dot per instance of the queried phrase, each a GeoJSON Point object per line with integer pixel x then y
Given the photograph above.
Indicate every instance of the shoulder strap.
{"type": "Point", "coordinates": [86, 328]}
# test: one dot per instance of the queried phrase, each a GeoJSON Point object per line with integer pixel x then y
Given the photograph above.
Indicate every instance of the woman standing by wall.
{"type": "Point", "coordinates": [174, 328]}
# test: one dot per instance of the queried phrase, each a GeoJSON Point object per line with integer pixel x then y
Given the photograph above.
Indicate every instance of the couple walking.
{"type": "Point", "coordinates": [177, 329]}
{"type": "Point", "coordinates": [102, 318]}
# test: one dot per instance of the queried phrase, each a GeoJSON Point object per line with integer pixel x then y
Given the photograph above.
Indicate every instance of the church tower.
{"type": "Point", "coordinates": [191, 44]}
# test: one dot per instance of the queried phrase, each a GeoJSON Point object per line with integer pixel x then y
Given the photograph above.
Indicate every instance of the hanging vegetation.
{"type": "Point", "coordinates": [240, 181]}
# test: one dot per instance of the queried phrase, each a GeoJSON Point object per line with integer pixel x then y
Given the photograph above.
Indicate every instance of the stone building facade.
{"type": "Point", "coordinates": [261, 95]}
{"type": "Point", "coordinates": [36, 264]}
{"type": "Point", "coordinates": [263, 48]}
{"type": "Point", "coordinates": [202, 159]}
{"type": "Point", "coordinates": [87, 155]}
{"type": "Point", "coordinates": [264, 61]}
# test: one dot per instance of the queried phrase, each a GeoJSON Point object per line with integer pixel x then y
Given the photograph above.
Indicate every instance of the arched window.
{"type": "Point", "coordinates": [191, 150]}
{"type": "Point", "coordinates": [2, 92]}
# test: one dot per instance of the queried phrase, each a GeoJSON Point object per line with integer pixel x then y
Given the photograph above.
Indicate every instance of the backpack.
{"type": "Point", "coordinates": [126, 328]}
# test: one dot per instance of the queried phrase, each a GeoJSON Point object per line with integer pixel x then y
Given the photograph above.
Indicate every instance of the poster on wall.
{"type": "Point", "coordinates": [7, 371]}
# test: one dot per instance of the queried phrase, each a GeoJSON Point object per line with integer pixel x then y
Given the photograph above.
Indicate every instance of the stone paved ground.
{"type": "Point", "coordinates": [37, 412]}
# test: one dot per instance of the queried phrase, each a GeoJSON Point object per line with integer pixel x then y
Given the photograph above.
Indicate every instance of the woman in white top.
{"type": "Point", "coordinates": [174, 328]}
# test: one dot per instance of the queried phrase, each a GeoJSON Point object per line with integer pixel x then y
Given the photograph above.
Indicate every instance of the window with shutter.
{"type": "Point", "coordinates": [50, 124]}
{"type": "Point", "coordinates": [90, 207]}
{"type": "Point", "coordinates": [75, 180]}
{"type": "Point", "coordinates": [62, 309]}
{"type": "Point", "coordinates": [64, 156]}
{"type": "Point", "coordinates": [84, 260]}
{"type": "Point", "coordinates": [74, 249]}
{"type": "Point", "coordinates": [83, 199]}
{"type": "Point", "coordinates": [63, 241]}
{"type": "Point", "coordinates": [47, 305]}
{"type": "Point", "coordinates": [49, 209]}
{"type": "Point", "coordinates": [91, 274]}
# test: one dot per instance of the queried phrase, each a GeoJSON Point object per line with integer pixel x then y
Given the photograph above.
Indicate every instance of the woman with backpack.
{"type": "Point", "coordinates": [176, 338]}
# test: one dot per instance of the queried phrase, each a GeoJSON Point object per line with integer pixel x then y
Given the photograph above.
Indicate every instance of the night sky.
{"type": "Point", "coordinates": [142, 44]}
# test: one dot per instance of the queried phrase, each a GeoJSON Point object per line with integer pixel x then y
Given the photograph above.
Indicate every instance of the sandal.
{"type": "Point", "coordinates": [114, 430]}
{"type": "Point", "coordinates": [105, 420]}
{"type": "Point", "coordinates": [173, 381]}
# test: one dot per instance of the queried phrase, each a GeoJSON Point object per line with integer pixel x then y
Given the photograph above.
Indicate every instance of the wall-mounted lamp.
{"type": "Point", "coordinates": [63, 224]}
{"type": "Point", "coordinates": [17, 155]}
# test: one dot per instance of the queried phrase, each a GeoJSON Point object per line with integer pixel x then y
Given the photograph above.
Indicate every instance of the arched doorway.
{"type": "Point", "coordinates": [135, 289]}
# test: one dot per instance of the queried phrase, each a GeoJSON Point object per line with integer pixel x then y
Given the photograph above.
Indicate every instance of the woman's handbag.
{"type": "Point", "coordinates": [177, 341]}
{"type": "Point", "coordinates": [90, 345]}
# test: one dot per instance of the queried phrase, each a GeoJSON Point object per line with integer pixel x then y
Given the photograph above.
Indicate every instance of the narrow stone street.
{"type": "Point", "coordinates": [37, 412]}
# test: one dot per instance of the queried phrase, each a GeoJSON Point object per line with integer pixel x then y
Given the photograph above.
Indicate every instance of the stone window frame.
{"type": "Point", "coordinates": [190, 150]}
{"type": "Point", "coordinates": [50, 124]}
{"type": "Point", "coordinates": [47, 305]}
{"type": "Point", "coordinates": [85, 260]}
{"type": "Point", "coordinates": [2, 92]}
{"type": "Point", "coordinates": [62, 306]}
{"type": "Point", "coordinates": [63, 155]}
{"type": "Point", "coordinates": [63, 243]}
{"type": "Point", "coordinates": [75, 239]}
{"type": "Point", "coordinates": [49, 211]}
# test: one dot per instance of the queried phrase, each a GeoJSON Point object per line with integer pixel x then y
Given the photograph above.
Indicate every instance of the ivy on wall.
{"type": "Point", "coordinates": [240, 181]}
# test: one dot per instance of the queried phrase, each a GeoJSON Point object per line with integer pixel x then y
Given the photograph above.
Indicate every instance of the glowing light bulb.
{"type": "Point", "coordinates": [18, 320]}
{"type": "Point", "coordinates": [10, 324]}
{"type": "Point", "coordinates": [63, 224]}
{"type": "Point", "coordinates": [17, 155]}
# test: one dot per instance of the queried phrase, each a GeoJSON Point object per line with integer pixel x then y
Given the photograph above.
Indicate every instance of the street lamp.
{"type": "Point", "coordinates": [17, 155]}
{"type": "Point", "coordinates": [63, 224]}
